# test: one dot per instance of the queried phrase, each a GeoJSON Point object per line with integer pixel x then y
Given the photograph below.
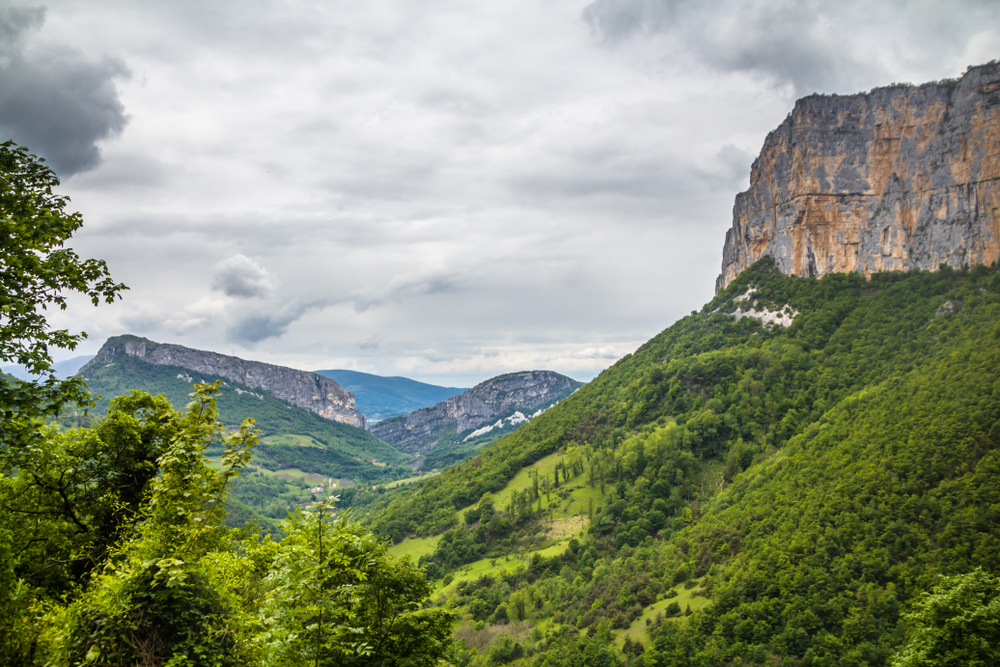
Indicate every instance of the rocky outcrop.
{"type": "Point", "coordinates": [300, 388]}
{"type": "Point", "coordinates": [477, 407]}
{"type": "Point", "coordinates": [902, 177]}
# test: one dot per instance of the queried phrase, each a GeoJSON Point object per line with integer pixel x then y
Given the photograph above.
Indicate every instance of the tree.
{"type": "Point", "coordinates": [158, 598]}
{"type": "Point", "coordinates": [36, 273]}
{"type": "Point", "coordinates": [958, 624]}
{"type": "Point", "coordinates": [71, 501]}
{"type": "Point", "coordinates": [336, 597]}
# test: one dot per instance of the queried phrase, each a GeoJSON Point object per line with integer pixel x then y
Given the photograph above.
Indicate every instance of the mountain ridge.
{"type": "Point", "coordinates": [380, 397]}
{"type": "Point", "coordinates": [496, 398]}
{"type": "Point", "coordinates": [304, 389]}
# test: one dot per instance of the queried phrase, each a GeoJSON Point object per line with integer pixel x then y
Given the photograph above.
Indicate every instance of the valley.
{"type": "Point", "coordinates": [801, 473]}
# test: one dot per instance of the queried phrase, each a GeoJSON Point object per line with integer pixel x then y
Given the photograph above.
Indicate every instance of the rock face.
{"type": "Point", "coordinates": [300, 388]}
{"type": "Point", "coordinates": [416, 432]}
{"type": "Point", "coordinates": [902, 177]}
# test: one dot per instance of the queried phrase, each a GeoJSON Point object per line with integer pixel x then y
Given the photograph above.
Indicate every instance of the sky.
{"type": "Point", "coordinates": [441, 190]}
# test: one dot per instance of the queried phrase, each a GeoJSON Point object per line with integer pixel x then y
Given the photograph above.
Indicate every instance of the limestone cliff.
{"type": "Point", "coordinates": [476, 408]}
{"type": "Point", "coordinates": [902, 177]}
{"type": "Point", "coordinates": [303, 389]}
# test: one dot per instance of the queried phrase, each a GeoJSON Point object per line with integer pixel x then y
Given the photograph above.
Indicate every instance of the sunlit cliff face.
{"type": "Point", "coordinates": [902, 177]}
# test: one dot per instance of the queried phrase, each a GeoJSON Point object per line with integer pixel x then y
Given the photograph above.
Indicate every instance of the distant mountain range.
{"type": "Point", "coordinates": [456, 428]}
{"type": "Point", "coordinates": [430, 426]}
{"type": "Point", "coordinates": [379, 397]}
{"type": "Point", "coordinates": [63, 369]}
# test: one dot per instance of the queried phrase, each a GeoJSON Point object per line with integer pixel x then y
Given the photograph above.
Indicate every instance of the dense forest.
{"type": "Point", "coordinates": [805, 486]}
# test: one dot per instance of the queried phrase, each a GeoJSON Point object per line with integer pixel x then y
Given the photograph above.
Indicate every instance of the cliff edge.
{"type": "Point", "coordinates": [300, 388]}
{"type": "Point", "coordinates": [902, 177]}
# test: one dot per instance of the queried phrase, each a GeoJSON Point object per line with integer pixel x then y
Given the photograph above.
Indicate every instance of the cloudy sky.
{"type": "Point", "coordinates": [443, 190]}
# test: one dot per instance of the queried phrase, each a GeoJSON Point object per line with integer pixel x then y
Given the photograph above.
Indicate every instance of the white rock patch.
{"type": "Point", "coordinates": [515, 419]}
{"type": "Point", "coordinates": [784, 317]}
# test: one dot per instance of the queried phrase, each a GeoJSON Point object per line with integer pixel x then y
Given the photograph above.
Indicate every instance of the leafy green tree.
{"type": "Point", "coordinates": [36, 273]}
{"type": "Point", "coordinates": [336, 597]}
{"type": "Point", "coordinates": [958, 624]}
{"type": "Point", "coordinates": [66, 506]}
{"type": "Point", "coordinates": [156, 601]}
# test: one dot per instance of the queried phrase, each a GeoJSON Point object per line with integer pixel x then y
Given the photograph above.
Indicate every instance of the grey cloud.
{"type": "Point", "coordinates": [790, 42]}
{"type": "Point", "coordinates": [403, 288]}
{"type": "Point", "coordinates": [370, 344]}
{"type": "Point", "coordinates": [55, 101]}
{"type": "Point", "coordinates": [261, 325]}
{"type": "Point", "coordinates": [241, 277]}
{"type": "Point", "coordinates": [732, 167]}
{"type": "Point", "coordinates": [257, 327]}
{"type": "Point", "coordinates": [436, 357]}
{"type": "Point", "coordinates": [15, 22]}
{"type": "Point", "coordinates": [616, 20]}
{"type": "Point", "coordinates": [785, 41]}
{"type": "Point", "coordinates": [815, 46]}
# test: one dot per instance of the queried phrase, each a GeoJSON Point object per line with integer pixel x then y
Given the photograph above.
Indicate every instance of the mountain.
{"type": "Point", "coordinates": [796, 488]}
{"type": "Point", "coordinates": [303, 389]}
{"type": "Point", "coordinates": [62, 369]}
{"type": "Point", "coordinates": [455, 428]}
{"type": "Point", "coordinates": [898, 178]}
{"type": "Point", "coordinates": [379, 397]}
{"type": "Point", "coordinates": [777, 479]}
{"type": "Point", "coordinates": [296, 443]}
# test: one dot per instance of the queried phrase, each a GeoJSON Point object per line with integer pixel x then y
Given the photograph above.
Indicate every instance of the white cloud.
{"type": "Point", "coordinates": [241, 277]}
{"type": "Point", "coordinates": [603, 352]}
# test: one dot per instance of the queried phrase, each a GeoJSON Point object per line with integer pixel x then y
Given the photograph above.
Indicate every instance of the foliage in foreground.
{"type": "Point", "coordinates": [112, 544]}
{"type": "Point", "coordinates": [105, 580]}
{"type": "Point", "coordinates": [957, 625]}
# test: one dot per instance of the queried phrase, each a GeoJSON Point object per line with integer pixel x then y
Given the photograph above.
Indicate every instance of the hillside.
{"type": "Point", "coordinates": [379, 397]}
{"type": "Point", "coordinates": [298, 449]}
{"type": "Point", "coordinates": [454, 429]}
{"type": "Point", "coordinates": [796, 486]}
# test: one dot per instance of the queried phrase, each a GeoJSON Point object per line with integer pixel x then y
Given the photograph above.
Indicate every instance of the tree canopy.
{"type": "Point", "coordinates": [37, 273]}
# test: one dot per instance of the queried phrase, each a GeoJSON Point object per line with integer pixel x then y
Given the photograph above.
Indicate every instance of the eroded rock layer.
{"type": "Point", "coordinates": [300, 388]}
{"type": "Point", "coordinates": [902, 177]}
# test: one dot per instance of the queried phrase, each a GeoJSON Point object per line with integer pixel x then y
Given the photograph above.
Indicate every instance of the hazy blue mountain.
{"type": "Point", "coordinates": [63, 369]}
{"type": "Point", "coordinates": [379, 397]}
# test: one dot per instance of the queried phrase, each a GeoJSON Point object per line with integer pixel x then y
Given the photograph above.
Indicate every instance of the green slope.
{"type": "Point", "coordinates": [322, 446]}
{"type": "Point", "coordinates": [379, 397]}
{"type": "Point", "coordinates": [811, 481]}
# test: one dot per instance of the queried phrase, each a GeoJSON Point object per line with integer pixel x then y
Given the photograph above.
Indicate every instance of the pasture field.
{"type": "Point", "coordinates": [686, 597]}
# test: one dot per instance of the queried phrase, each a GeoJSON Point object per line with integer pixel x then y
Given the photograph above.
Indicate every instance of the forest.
{"type": "Point", "coordinates": [802, 489]}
